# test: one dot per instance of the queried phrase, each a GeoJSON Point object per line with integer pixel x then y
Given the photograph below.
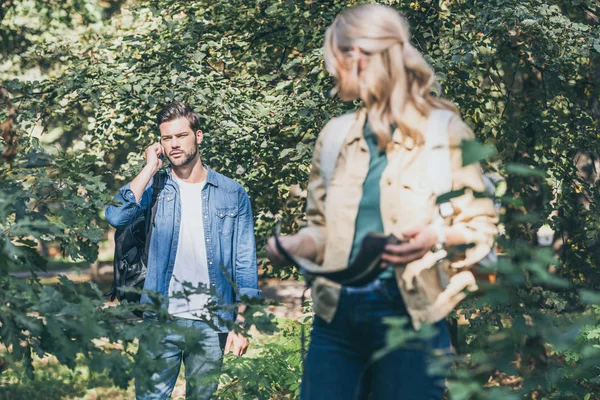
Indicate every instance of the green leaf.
{"type": "Point", "coordinates": [271, 9]}
{"type": "Point", "coordinates": [474, 151]}
{"type": "Point", "coordinates": [285, 153]}
{"type": "Point", "coordinates": [449, 196]}
{"type": "Point", "coordinates": [589, 296]}
{"type": "Point", "coordinates": [524, 170]}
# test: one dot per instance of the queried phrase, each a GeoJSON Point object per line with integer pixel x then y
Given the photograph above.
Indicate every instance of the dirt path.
{"type": "Point", "coordinates": [288, 293]}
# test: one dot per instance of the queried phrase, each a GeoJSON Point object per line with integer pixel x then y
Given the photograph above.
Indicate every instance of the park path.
{"type": "Point", "coordinates": [287, 293]}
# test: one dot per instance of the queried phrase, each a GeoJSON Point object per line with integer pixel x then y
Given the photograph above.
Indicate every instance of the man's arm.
{"type": "Point", "coordinates": [153, 164]}
{"type": "Point", "coordinates": [134, 197]}
{"type": "Point", "coordinates": [246, 270]}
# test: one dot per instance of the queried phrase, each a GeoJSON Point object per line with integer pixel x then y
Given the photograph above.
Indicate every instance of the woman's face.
{"type": "Point", "coordinates": [352, 61]}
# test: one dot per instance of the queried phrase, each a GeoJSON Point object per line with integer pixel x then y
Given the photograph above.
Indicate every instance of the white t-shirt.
{"type": "Point", "coordinates": [190, 262]}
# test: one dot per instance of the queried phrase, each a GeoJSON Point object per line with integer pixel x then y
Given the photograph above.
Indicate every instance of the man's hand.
{"type": "Point", "coordinates": [421, 240]}
{"type": "Point", "coordinates": [236, 343]}
{"type": "Point", "coordinates": [153, 164]}
{"type": "Point", "coordinates": [153, 157]}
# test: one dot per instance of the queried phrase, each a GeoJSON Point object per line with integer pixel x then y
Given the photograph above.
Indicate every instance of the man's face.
{"type": "Point", "coordinates": [179, 141]}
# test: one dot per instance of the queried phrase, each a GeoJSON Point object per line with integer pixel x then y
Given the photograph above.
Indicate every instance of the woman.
{"type": "Point", "coordinates": [381, 184]}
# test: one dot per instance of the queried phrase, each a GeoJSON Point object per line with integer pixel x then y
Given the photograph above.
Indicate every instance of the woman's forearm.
{"type": "Point", "coordinates": [305, 247]}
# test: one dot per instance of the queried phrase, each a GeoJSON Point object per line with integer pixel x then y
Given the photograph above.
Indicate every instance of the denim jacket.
{"type": "Point", "coordinates": [228, 233]}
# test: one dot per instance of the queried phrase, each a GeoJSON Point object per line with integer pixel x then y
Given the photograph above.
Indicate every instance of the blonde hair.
{"type": "Point", "coordinates": [396, 72]}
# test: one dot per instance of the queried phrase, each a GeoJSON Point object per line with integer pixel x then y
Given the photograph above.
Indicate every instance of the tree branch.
{"type": "Point", "coordinates": [8, 129]}
{"type": "Point", "coordinates": [4, 6]}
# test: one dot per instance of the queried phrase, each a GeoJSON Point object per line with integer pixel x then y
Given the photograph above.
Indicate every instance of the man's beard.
{"type": "Point", "coordinates": [186, 160]}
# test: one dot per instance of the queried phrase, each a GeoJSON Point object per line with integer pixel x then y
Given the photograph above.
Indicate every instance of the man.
{"type": "Point", "coordinates": [203, 230]}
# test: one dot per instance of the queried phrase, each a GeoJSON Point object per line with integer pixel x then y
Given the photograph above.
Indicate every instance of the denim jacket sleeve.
{"type": "Point", "coordinates": [128, 208]}
{"type": "Point", "coordinates": [246, 270]}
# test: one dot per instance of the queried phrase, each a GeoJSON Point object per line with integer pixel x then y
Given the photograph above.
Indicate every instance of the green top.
{"type": "Point", "coordinates": [368, 218]}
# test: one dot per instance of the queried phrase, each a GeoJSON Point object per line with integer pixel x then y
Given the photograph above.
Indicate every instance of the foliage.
{"type": "Point", "coordinates": [273, 373]}
{"type": "Point", "coordinates": [54, 381]}
{"type": "Point", "coordinates": [85, 79]}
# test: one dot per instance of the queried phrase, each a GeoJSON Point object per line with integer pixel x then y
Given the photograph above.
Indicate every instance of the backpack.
{"type": "Point", "coordinates": [439, 163]}
{"type": "Point", "coordinates": [131, 249]}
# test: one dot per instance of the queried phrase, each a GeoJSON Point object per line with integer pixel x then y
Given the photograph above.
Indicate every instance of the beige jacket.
{"type": "Point", "coordinates": [406, 201]}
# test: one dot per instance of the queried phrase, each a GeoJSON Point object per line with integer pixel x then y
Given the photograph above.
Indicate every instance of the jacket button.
{"type": "Point", "coordinates": [394, 220]}
{"type": "Point", "coordinates": [389, 182]}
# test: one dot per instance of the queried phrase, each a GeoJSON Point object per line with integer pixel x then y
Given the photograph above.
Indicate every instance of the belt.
{"type": "Point", "coordinates": [369, 287]}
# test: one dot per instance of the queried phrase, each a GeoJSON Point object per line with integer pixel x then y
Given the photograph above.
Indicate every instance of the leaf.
{"type": "Point", "coordinates": [449, 196]}
{"type": "Point", "coordinates": [473, 151]}
{"type": "Point", "coordinates": [524, 170]}
{"type": "Point", "coordinates": [589, 296]}
{"type": "Point", "coordinates": [282, 85]}
{"type": "Point", "coordinates": [271, 9]}
{"type": "Point", "coordinates": [285, 153]}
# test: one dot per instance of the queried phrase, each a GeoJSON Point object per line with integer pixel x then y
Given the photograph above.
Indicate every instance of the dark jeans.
{"type": "Point", "coordinates": [339, 363]}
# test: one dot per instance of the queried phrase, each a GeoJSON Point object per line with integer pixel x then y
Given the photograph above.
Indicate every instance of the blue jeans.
{"type": "Point", "coordinates": [339, 364]}
{"type": "Point", "coordinates": [195, 343]}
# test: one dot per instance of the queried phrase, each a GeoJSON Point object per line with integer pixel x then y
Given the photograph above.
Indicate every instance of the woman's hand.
{"type": "Point", "coordinates": [298, 245]}
{"type": "Point", "coordinates": [420, 240]}
{"type": "Point", "coordinates": [290, 243]}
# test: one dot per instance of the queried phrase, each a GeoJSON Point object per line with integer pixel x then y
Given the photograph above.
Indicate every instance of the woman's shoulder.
{"type": "Point", "coordinates": [338, 128]}
{"type": "Point", "coordinates": [335, 123]}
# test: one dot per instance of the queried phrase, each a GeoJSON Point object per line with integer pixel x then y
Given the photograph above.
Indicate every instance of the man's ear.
{"type": "Point", "coordinates": [199, 136]}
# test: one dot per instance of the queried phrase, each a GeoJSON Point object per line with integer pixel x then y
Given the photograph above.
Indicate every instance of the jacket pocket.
{"type": "Point", "coordinates": [166, 205]}
{"type": "Point", "coordinates": [416, 203]}
{"type": "Point", "coordinates": [226, 217]}
{"type": "Point", "coordinates": [417, 187]}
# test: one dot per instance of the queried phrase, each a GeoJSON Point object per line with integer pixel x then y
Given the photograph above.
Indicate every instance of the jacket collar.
{"type": "Point", "coordinates": [211, 176]}
{"type": "Point", "coordinates": [356, 132]}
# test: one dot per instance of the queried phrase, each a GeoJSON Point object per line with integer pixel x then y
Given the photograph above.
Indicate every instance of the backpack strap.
{"type": "Point", "coordinates": [439, 171]}
{"type": "Point", "coordinates": [158, 183]}
{"type": "Point", "coordinates": [334, 135]}
{"type": "Point", "coordinates": [440, 166]}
